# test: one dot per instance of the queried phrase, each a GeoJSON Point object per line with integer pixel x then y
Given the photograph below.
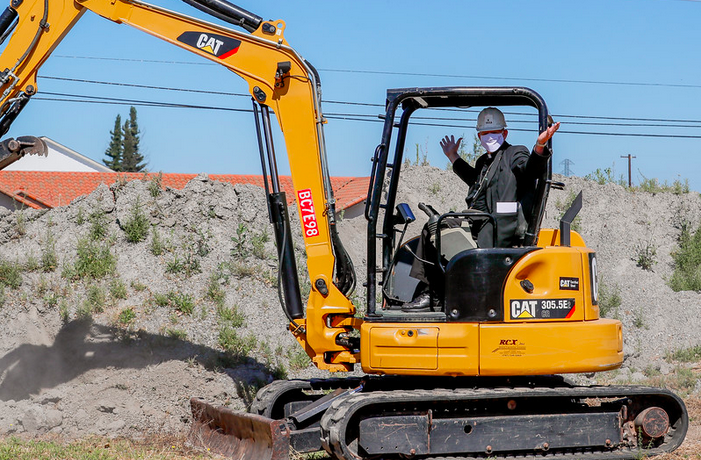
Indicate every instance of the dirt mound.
{"type": "Point", "coordinates": [107, 336]}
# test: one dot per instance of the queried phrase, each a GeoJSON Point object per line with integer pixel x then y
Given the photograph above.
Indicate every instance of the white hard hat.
{"type": "Point", "coordinates": [490, 119]}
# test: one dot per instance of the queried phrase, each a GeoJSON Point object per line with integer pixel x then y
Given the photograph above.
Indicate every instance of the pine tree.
{"type": "Point", "coordinates": [132, 160]}
{"type": "Point", "coordinates": [115, 150]}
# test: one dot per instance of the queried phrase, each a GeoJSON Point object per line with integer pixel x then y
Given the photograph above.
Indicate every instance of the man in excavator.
{"type": "Point", "coordinates": [502, 184]}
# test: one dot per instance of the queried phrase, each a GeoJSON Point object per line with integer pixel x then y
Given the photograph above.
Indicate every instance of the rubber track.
{"type": "Point", "coordinates": [335, 420]}
{"type": "Point", "coordinates": [267, 397]}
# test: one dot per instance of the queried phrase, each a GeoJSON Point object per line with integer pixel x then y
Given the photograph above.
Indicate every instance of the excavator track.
{"type": "Point", "coordinates": [586, 423]}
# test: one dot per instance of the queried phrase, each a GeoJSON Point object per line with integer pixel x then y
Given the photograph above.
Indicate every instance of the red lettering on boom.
{"type": "Point", "coordinates": [306, 205]}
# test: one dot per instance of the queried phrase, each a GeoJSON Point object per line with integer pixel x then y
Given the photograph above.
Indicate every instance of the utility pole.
{"type": "Point", "coordinates": [630, 161]}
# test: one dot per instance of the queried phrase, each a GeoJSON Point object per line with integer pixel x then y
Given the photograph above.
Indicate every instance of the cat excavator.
{"type": "Point", "coordinates": [479, 375]}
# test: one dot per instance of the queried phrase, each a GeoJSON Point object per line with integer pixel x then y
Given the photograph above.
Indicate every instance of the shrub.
{"type": "Point", "coordinates": [685, 355]}
{"type": "Point", "coordinates": [20, 223]}
{"type": "Point", "coordinates": [10, 275]}
{"type": "Point", "coordinates": [184, 303]}
{"type": "Point", "coordinates": [609, 300]}
{"type": "Point", "coordinates": [645, 254]}
{"type": "Point", "coordinates": [157, 246]}
{"type": "Point", "coordinates": [117, 289]}
{"type": "Point", "coordinates": [240, 250]}
{"type": "Point", "coordinates": [215, 293]}
{"type": "Point", "coordinates": [136, 226]}
{"type": "Point", "coordinates": [49, 259]}
{"type": "Point", "coordinates": [126, 316]}
{"type": "Point", "coordinates": [258, 243]}
{"type": "Point", "coordinates": [95, 260]}
{"type": "Point", "coordinates": [687, 262]}
{"type": "Point", "coordinates": [602, 176]}
{"type": "Point", "coordinates": [230, 316]}
{"type": "Point", "coordinates": [177, 334]}
{"type": "Point", "coordinates": [98, 225]}
{"type": "Point", "coordinates": [96, 298]}
{"type": "Point", "coordinates": [298, 359]}
{"type": "Point", "coordinates": [156, 184]}
{"type": "Point", "coordinates": [232, 343]}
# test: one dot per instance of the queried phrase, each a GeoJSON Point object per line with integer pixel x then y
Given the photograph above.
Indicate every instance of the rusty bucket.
{"type": "Point", "coordinates": [238, 435]}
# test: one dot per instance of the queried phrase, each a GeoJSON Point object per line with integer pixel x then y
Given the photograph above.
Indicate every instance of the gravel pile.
{"type": "Point", "coordinates": [82, 356]}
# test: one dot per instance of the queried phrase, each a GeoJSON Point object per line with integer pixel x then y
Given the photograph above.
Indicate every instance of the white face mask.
{"type": "Point", "coordinates": [492, 141]}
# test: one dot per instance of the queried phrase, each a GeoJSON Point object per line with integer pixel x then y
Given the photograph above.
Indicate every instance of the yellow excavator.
{"type": "Point", "coordinates": [478, 376]}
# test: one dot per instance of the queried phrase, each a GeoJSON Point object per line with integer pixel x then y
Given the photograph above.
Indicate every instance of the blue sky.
{"type": "Point", "coordinates": [617, 58]}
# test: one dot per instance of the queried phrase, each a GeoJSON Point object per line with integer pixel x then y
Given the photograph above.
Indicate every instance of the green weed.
{"type": "Point", "coordinates": [645, 254]}
{"type": "Point", "coordinates": [609, 300]}
{"type": "Point", "coordinates": [49, 259]}
{"type": "Point", "coordinates": [98, 225]}
{"type": "Point", "coordinates": [298, 359]}
{"type": "Point", "coordinates": [230, 341]}
{"type": "Point", "coordinates": [96, 298]}
{"type": "Point", "coordinates": [685, 355]}
{"type": "Point", "coordinates": [155, 185]}
{"type": "Point", "coordinates": [10, 274]}
{"type": "Point", "coordinates": [687, 262]}
{"type": "Point", "coordinates": [126, 316]}
{"type": "Point", "coordinates": [230, 316]}
{"type": "Point", "coordinates": [240, 250]}
{"type": "Point", "coordinates": [157, 247]}
{"type": "Point", "coordinates": [95, 260]}
{"type": "Point", "coordinates": [137, 225]}
{"type": "Point", "coordinates": [137, 286]}
{"type": "Point", "coordinates": [258, 245]}
{"type": "Point", "coordinates": [117, 289]}
{"type": "Point", "coordinates": [178, 334]}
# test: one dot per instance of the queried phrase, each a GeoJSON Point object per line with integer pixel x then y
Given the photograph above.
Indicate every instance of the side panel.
{"type": "Point", "coordinates": [420, 349]}
{"type": "Point", "coordinates": [547, 285]}
{"type": "Point", "coordinates": [550, 348]}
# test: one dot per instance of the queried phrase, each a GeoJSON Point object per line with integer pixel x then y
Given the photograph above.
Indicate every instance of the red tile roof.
{"type": "Point", "coordinates": [39, 189]}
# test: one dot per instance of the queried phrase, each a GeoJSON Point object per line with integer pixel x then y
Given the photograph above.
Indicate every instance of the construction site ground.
{"type": "Point", "coordinates": [117, 348]}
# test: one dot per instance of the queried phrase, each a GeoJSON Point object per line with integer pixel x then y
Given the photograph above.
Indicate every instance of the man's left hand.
{"type": "Point", "coordinates": [544, 137]}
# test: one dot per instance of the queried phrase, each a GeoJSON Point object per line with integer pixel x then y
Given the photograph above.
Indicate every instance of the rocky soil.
{"type": "Point", "coordinates": [121, 354]}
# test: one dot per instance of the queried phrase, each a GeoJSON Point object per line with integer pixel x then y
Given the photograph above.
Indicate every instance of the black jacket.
{"type": "Point", "coordinates": [514, 180]}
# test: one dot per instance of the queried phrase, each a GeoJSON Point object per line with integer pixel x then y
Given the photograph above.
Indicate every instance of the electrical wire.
{"type": "Point", "coordinates": [416, 74]}
{"type": "Point", "coordinates": [366, 104]}
{"type": "Point", "coordinates": [63, 97]}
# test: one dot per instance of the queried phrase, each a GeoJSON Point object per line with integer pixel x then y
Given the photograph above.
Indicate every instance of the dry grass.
{"type": "Point", "coordinates": [96, 448]}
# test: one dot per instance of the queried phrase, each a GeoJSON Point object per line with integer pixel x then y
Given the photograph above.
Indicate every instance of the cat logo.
{"type": "Point", "coordinates": [523, 308]}
{"type": "Point", "coordinates": [217, 45]}
{"type": "Point", "coordinates": [209, 44]}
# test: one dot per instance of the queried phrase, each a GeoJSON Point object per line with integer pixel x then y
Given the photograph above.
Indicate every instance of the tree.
{"type": "Point", "coordinates": [115, 149]}
{"type": "Point", "coordinates": [132, 160]}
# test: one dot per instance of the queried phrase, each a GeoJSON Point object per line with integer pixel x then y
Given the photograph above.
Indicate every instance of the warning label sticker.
{"type": "Point", "coordinates": [541, 308]}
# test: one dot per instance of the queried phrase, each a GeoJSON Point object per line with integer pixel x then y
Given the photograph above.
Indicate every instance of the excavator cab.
{"type": "Point", "coordinates": [397, 284]}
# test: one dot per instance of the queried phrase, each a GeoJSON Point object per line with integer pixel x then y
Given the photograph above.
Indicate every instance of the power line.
{"type": "Point", "coordinates": [412, 74]}
{"type": "Point", "coordinates": [366, 104]}
{"type": "Point", "coordinates": [64, 97]}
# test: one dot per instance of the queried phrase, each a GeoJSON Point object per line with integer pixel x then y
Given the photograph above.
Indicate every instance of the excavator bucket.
{"type": "Point", "coordinates": [239, 436]}
{"type": "Point", "coordinates": [12, 150]}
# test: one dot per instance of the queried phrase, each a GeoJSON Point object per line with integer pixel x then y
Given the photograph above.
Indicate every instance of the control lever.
{"type": "Point", "coordinates": [433, 216]}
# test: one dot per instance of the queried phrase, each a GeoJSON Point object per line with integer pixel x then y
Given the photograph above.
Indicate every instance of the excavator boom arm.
{"type": "Point", "coordinates": [278, 79]}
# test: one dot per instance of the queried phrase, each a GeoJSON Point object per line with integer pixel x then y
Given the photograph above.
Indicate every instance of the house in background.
{"type": "Point", "coordinates": [44, 182]}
